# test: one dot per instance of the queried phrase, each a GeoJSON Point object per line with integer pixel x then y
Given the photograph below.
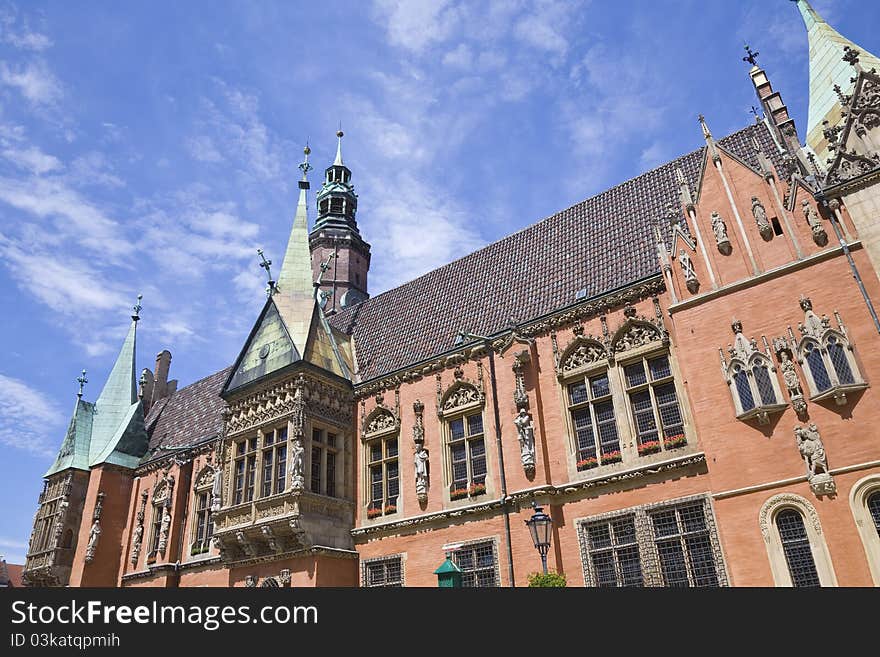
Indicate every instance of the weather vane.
{"type": "Point", "coordinates": [751, 56]}
{"type": "Point", "coordinates": [82, 380]}
{"type": "Point", "coordinates": [137, 308]}
{"type": "Point", "coordinates": [305, 167]}
{"type": "Point", "coordinates": [755, 111]}
{"type": "Point", "coordinates": [265, 264]}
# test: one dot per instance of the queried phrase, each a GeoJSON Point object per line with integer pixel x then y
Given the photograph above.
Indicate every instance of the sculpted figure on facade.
{"type": "Point", "coordinates": [217, 489]}
{"type": "Point", "coordinates": [792, 382]}
{"type": "Point", "coordinates": [421, 468]}
{"type": "Point", "coordinates": [690, 273]}
{"type": "Point", "coordinates": [720, 230]}
{"type": "Point", "coordinates": [820, 237]}
{"type": "Point", "coordinates": [297, 480]}
{"type": "Point", "coordinates": [526, 430]}
{"type": "Point", "coordinates": [164, 528]}
{"type": "Point", "coordinates": [812, 450]}
{"type": "Point", "coordinates": [761, 220]}
{"type": "Point", "coordinates": [94, 535]}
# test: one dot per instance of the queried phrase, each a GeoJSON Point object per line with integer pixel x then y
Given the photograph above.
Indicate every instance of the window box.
{"type": "Point", "coordinates": [199, 549]}
{"type": "Point", "coordinates": [390, 509]}
{"type": "Point", "coordinates": [611, 457]}
{"type": "Point", "coordinates": [374, 513]}
{"type": "Point", "coordinates": [650, 447]}
{"type": "Point", "coordinates": [587, 464]}
{"type": "Point", "coordinates": [477, 489]}
{"type": "Point", "coordinates": [458, 493]}
{"type": "Point", "coordinates": [674, 442]}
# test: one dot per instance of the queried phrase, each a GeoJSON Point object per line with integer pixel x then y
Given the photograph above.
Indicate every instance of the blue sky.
{"type": "Point", "coordinates": [152, 148]}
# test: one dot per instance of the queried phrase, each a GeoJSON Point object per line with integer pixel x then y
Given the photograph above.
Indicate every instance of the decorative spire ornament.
{"type": "Point", "coordinates": [82, 380]}
{"type": "Point", "coordinates": [751, 56]}
{"type": "Point", "coordinates": [265, 264]}
{"type": "Point", "coordinates": [137, 309]}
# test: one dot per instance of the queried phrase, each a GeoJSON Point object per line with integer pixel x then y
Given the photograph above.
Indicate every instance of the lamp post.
{"type": "Point", "coordinates": [539, 526]}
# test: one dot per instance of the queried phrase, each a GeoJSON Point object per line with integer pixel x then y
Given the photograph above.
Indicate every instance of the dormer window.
{"type": "Point", "coordinates": [752, 379]}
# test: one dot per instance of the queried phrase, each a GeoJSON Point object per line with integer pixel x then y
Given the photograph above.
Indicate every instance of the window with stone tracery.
{"type": "Point", "coordinates": [274, 465]}
{"type": "Point", "coordinates": [467, 455]}
{"type": "Point", "coordinates": [325, 455]}
{"type": "Point", "coordinates": [593, 419]}
{"type": "Point", "coordinates": [204, 525]}
{"type": "Point", "coordinates": [380, 435]}
{"type": "Point", "coordinates": [751, 377]}
{"type": "Point", "coordinates": [653, 402]}
{"type": "Point", "coordinates": [244, 469]}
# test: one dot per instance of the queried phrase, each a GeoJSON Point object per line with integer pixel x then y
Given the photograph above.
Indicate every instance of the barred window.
{"type": "Point", "coordinates": [384, 573]}
{"type": "Point", "coordinates": [839, 361]}
{"type": "Point", "coordinates": [204, 524]}
{"type": "Point", "coordinates": [614, 552]}
{"type": "Point", "coordinates": [467, 455]}
{"type": "Point", "coordinates": [765, 386]}
{"type": "Point", "coordinates": [592, 415]}
{"type": "Point", "coordinates": [478, 563]}
{"type": "Point", "coordinates": [245, 470]}
{"type": "Point", "coordinates": [274, 462]}
{"type": "Point", "coordinates": [325, 450]}
{"type": "Point", "coordinates": [743, 389]}
{"type": "Point", "coordinates": [874, 509]}
{"type": "Point", "coordinates": [817, 366]}
{"type": "Point", "coordinates": [654, 403]}
{"type": "Point", "coordinates": [796, 545]}
{"type": "Point", "coordinates": [156, 527]}
{"type": "Point", "coordinates": [384, 476]}
{"type": "Point", "coordinates": [673, 545]}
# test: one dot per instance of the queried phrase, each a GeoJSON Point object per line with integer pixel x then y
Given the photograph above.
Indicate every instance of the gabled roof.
{"type": "Point", "coordinates": [601, 244]}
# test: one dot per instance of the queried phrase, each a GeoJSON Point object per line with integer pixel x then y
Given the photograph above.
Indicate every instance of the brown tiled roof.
{"type": "Point", "coordinates": [12, 575]}
{"type": "Point", "coordinates": [188, 417]}
{"type": "Point", "coordinates": [603, 243]}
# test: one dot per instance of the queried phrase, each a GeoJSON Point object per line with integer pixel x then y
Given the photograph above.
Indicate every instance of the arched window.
{"type": "Point", "coordinates": [381, 431]}
{"type": "Point", "coordinates": [203, 523]}
{"type": "Point", "coordinates": [816, 364]}
{"type": "Point", "coordinates": [795, 543]}
{"type": "Point", "coordinates": [752, 378]}
{"type": "Point", "coordinates": [864, 502]}
{"type": "Point", "coordinates": [839, 361]}
{"type": "Point", "coordinates": [766, 392]}
{"type": "Point", "coordinates": [461, 410]}
{"type": "Point", "coordinates": [743, 389]}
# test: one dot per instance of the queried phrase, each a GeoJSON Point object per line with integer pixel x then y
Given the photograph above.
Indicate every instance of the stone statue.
{"type": "Point", "coordinates": [690, 274]}
{"type": "Point", "coordinates": [250, 581]}
{"type": "Point", "coordinates": [421, 465]}
{"type": "Point", "coordinates": [812, 450]}
{"type": "Point", "coordinates": [163, 530]}
{"type": "Point", "coordinates": [790, 377]}
{"type": "Point", "coordinates": [720, 230]}
{"type": "Point", "coordinates": [526, 430]}
{"type": "Point", "coordinates": [94, 534]}
{"type": "Point", "coordinates": [217, 489]}
{"type": "Point", "coordinates": [136, 542]}
{"type": "Point", "coordinates": [812, 217]}
{"type": "Point", "coordinates": [760, 215]}
{"type": "Point", "coordinates": [297, 481]}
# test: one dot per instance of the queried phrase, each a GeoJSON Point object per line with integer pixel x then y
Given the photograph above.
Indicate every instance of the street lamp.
{"type": "Point", "coordinates": [539, 525]}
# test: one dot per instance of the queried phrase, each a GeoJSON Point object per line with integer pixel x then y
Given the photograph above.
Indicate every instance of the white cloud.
{"type": "Point", "coordinates": [33, 160]}
{"type": "Point", "coordinates": [202, 148]}
{"type": "Point", "coordinates": [29, 421]}
{"type": "Point", "coordinates": [416, 24]}
{"type": "Point", "coordinates": [461, 57]}
{"type": "Point", "coordinates": [28, 41]}
{"type": "Point", "coordinates": [34, 81]}
{"type": "Point", "coordinates": [653, 155]}
{"type": "Point", "coordinates": [94, 169]}
{"type": "Point", "coordinates": [538, 31]}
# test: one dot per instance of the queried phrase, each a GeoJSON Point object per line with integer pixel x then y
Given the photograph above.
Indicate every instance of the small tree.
{"type": "Point", "coordinates": [537, 580]}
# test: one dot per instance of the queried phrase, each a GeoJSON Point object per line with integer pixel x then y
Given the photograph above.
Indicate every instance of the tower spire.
{"type": "Point", "coordinates": [339, 134]}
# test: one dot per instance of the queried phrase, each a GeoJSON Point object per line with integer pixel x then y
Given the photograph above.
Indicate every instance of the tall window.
{"type": "Point", "coordinates": [668, 545]}
{"type": "Point", "coordinates": [478, 563]}
{"type": "Point", "coordinates": [467, 455]}
{"type": "Point", "coordinates": [274, 462]}
{"type": "Point", "coordinates": [656, 414]}
{"type": "Point", "coordinates": [592, 416]}
{"type": "Point", "coordinates": [156, 527]}
{"type": "Point", "coordinates": [796, 545]}
{"type": "Point", "coordinates": [386, 572]}
{"type": "Point", "coordinates": [204, 525]}
{"type": "Point", "coordinates": [384, 476]}
{"type": "Point", "coordinates": [614, 552]}
{"type": "Point", "coordinates": [245, 470]}
{"type": "Point", "coordinates": [817, 366]}
{"type": "Point", "coordinates": [874, 510]}
{"type": "Point", "coordinates": [325, 450]}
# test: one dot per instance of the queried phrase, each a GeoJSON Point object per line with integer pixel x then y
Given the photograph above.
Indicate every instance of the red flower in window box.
{"type": "Point", "coordinates": [650, 447]}
{"type": "Point", "coordinates": [458, 493]}
{"type": "Point", "coordinates": [678, 440]}
{"type": "Point", "coordinates": [477, 489]}
{"type": "Point", "coordinates": [586, 464]}
{"type": "Point", "coordinates": [390, 509]}
{"type": "Point", "coordinates": [612, 457]}
{"type": "Point", "coordinates": [374, 512]}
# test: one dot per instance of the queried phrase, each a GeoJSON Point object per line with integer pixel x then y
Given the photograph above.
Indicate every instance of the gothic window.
{"type": "Point", "coordinates": [654, 404]}
{"type": "Point", "coordinates": [204, 528]}
{"type": "Point", "coordinates": [864, 502]}
{"type": "Point", "coordinates": [795, 544]}
{"type": "Point", "coordinates": [614, 552]}
{"type": "Point", "coordinates": [384, 476]}
{"type": "Point", "coordinates": [593, 420]}
{"type": "Point", "coordinates": [669, 545]}
{"type": "Point", "coordinates": [325, 450]}
{"type": "Point", "coordinates": [245, 467]}
{"type": "Point", "coordinates": [384, 572]}
{"type": "Point", "coordinates": [751, 378]}
{"type": "Point", "coordinates": [156, 527]}
{"type": "Point", "coordinates": [478, 563]}
{"type": "Point", "coordinates": [274, 475]}
{"type": "Point", "coordinates": [827, 357]}
{"type": "Point", "coordinates": [467, 455]}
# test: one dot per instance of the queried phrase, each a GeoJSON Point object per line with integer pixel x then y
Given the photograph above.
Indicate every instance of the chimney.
{"type": "Point", "coordinates": [161, 386]}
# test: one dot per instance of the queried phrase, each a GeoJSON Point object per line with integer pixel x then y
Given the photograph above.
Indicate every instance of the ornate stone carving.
{"type": "Point", "coordinates": [269, 535]}
{"type": "Point", "coordinates": [790, 377]}
{"type": "Point", "coordinates": [250, 581]}
{"type": "Point", "coordinates": [139, 530]}
{"type": "Point", "coordinates": [380, 422]}
{"type": "Point", "coordinates": [636, 333]}
{"type": "Point", "coordinates": [690, 273]}
{"type": "Point", "coordinates": [820, 237]}
{"type": "Point", "coordinates": [790, 500]}
{"type": "Point", "coordinates": [761, 220]}
{"type": "Point", "coordinates": [582, 352]}
{"type": "Point", "coordinates": [297, 478]}
{"type": "Point", "coordinates": [812, 326]}
{"type": "Point", "coordinates": [461, 395]}
{"type": "Point", "coordinates": [164, 530]}
{"type": "Point", "coordinates": [244, 543]}
{"type": "Point", "coordinates": [217, 489]}
{"type": "Point", "coordinates": [420, 456]}
{"type": "Point", "coordinates": [95, 531]}
{"type": "Point", "coordinates": [719, 228]}
{"type": "Point", "coordinates": [812, 450]}
{"type": "Point", "coordinates": [520, 397]}
{"type": "Point", "coordinates": [526, 429]}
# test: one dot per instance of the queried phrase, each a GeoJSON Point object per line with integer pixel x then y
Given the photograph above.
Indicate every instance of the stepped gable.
{"type": "Point", "coordinates": [601, 244]}
{"type": "Point", "coordinates": [188, 417]}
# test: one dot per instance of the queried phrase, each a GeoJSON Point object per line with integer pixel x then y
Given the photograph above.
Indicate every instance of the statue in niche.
{"type": "Point", "coordinates": [820, 237]}
{"type": "Point", "coordinates": [792, 382]}
{"type": "Point", "coordinates": [297, 481]}
{"type": "Point", "coordinates": [420, 459]}
{"type": "Point", "coordinates": [812, 450]}
{"type": "Point", "coordinates": [720, 230]}
{"type": "Point", "coordinates": [690, 273]}
{"type": "Point", "coordinates": [94, 535]}
{"type": "Point", "coordinates": [163, 530]}
{"type": "Point", "coordinates": [760, 215]}
{"type": "Point", "coordinates": [526, 429]}
{"type": "Point", "coordinates": [217, 489]}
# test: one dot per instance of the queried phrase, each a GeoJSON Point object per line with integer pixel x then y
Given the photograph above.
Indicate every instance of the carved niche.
{"type": "Point", "coordinates": [719, 228]}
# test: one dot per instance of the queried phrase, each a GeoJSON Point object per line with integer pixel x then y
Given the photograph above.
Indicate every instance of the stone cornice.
{"type": "Point", "coordinates": [559, 318]}
{"type": "Point", "coordinates": [567, 490]}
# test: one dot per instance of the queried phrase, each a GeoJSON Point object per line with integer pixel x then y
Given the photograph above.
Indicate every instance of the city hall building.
{"type": "Point", "coordinates": [682, 371]}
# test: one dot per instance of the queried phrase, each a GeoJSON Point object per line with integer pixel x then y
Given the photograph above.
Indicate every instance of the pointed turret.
{"type": "Point", "coordinates": [827, 70]}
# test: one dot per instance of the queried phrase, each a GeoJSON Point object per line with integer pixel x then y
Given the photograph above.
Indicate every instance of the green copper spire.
{"type": "Point", "coordinates": [827, 69]}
